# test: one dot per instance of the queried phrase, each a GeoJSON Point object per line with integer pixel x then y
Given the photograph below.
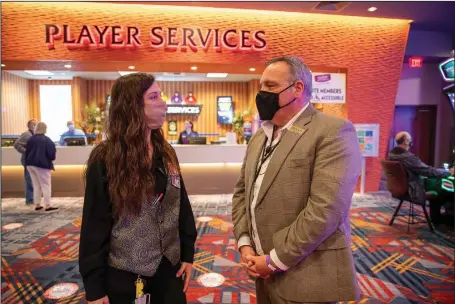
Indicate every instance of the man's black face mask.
{"type": "Point", "coordinates": [268, 103]}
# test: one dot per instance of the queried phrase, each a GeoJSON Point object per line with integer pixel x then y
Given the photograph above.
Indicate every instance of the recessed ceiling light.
{"type": "Point", "coordinates": [372, 9]}
{"type": "Point", "coordinates": [216, 75]}
{"type": "Point", "coordinates": [252, 69]}
{"type": "Point", "coordinates": [39, 73]}
{"type": "Point", "coordinates": [3, 65]}
{"type": "Point", "coordinates": [194, 68]}
{"type": "Point", "coordinates": [68, 66]}
{"type": "Point", "coordinates": [123, 73]}
{"type": "Point", "coordinates": [131, 67]}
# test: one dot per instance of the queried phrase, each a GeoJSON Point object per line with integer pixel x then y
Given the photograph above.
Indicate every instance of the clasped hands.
{"type": "Point", "coordinates": [256, 266]}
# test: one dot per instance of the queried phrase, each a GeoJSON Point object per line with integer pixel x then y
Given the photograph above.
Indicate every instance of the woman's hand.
{"type": "Point", "coordinates": [104, 300]}
{"type": "Point", "coordinates": [185, 268]}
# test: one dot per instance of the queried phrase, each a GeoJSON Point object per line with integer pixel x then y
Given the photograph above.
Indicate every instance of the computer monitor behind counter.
{"type": "Point", "coordinates": [75, 141]}
{"type": "Point", "coordinates": [197, 140]}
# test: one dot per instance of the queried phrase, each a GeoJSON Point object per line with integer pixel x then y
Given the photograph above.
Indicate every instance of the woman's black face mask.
{"type": "Point", "coordinates": [268, 103]}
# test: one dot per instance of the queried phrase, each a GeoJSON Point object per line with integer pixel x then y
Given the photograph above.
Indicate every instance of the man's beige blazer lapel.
{"type": "Point", "coordinates": [288, 141]}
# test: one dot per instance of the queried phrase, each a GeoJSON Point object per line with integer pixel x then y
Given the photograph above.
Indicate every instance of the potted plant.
{"type": "Point", "coordinates": [93, 125]}
{"type": "Point", "coordinates": [237, 124]}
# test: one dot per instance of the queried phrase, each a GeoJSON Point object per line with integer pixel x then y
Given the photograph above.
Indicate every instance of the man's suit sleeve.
{"type": "Point", "coordinates": [239, 204]}
{"type": "Point", "coordinates": [416, 165]}
{"type": "Point", "coordinates": [336, 170]}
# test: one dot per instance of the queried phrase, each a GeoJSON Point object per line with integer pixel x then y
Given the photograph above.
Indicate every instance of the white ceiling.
{"type": "Point", "coordinates": [67, 75]}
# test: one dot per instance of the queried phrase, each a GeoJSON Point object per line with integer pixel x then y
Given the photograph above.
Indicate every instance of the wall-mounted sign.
{"type": "Point", "coordinates": [181, 109]}
{"type": "Point", "coordinates": [368, 136]}
{"type": "Point", "coordinates": [172, 127]}
{"type": "Point", "coordinates": [225, 110]}
{"type": "Point", "coordinates": [190, 99]}
{"type": "Point", "coordinates": [415, 62]}
{"type": "Point", "coordinates": [171, 39]}
{"type": "Point", "coordinates": [177, 98]}
{"type": "Point", "coordinates": [329, 88]}
{"type": "Point", "coordinates": [446, 69]}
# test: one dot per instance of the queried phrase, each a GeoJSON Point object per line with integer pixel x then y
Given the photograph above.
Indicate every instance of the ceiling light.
{"type": "Point", "coordinates": [216, 75]}
{"type": "Point", "coordinates": [39, 73]}
{"type": "Point", "coordinates": [63, 73]}
{"type": "Point", "coordinates": [68, 66]}
{"type": "Point", "coordinates": [372, 9]}
{"type": "Point", "coordinates": [194, 68]}
{"type": "Point", "coordinates": [252, 69]}
{"type": "Point", "coordinates": [3, 65]}
{"type": "Point", "coordinates": [131, 67]}
{"type": "Point", "coordinates": [123, 73]}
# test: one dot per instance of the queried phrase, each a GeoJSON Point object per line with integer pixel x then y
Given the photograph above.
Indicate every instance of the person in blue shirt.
{"type": "Point", "coordinates": [72, 131]}
{"type": "Point", "coordinates": [39, 156]}
{"type": "Point", "coordinates": [188, 132]}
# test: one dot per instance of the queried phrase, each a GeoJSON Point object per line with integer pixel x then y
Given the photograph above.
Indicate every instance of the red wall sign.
{"type": "Point", "coordinates": [171, 39]}
{"type": "Point", "coordinates": [415, 62]}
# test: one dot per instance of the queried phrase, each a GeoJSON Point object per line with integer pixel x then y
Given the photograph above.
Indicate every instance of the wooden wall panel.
{"type": "Point", "coordinates": [253, 89]}
{"type": "Point", "coordinates": [79, 98]}
{"type": "Point", "coordinates": [15, 109]}
{"type": "Point", "coordinates": [97, 91]}
{"type": "Point", "coordinates": [34, 94]}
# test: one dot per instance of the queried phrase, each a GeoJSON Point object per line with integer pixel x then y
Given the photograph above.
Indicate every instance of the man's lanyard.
{"type": "Point", "coordinates": [266, 153]}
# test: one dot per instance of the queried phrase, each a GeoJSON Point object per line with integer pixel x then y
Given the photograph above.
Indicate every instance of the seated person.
{"type": "Point", "coordinates": [72, 132]}
{"type": "Point", "coordinates": [415, 168]}
{"type": "Point", "coordinates": [188, 132]}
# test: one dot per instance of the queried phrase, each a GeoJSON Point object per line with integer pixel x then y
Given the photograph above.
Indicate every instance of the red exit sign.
{"type": "Point", "coordinates": [415, 62]}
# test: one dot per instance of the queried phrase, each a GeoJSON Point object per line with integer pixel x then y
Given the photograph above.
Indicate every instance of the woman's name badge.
{"type": "Point", "coordinates": [144, 299]}
{"type": "Point", "coordinates": [175, 176]}
{"type": "Point", "coordinates": [141, 298]}
{"type": "Point", "coordinates": [175, 181]}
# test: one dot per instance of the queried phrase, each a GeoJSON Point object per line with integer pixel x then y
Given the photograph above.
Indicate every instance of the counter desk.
{"type": "Point", "coordinates": [206, 169]}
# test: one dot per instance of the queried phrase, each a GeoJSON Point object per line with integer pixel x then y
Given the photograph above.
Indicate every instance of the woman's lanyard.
{"type": "Point", "coordinates": [266, 153]}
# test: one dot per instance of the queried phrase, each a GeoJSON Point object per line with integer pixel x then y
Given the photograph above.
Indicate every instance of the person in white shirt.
{"type": "Point", "coordinates": [291, 203]}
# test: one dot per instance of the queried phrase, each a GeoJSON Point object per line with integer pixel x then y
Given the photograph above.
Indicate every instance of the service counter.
{"type": "Point", "coordinates": [206, 169]}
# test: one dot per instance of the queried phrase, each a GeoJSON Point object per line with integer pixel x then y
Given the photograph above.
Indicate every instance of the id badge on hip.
{"type": "Point", "coordinates": [144, 299]}
{"type": "Point", "coordinates": [141, 298]}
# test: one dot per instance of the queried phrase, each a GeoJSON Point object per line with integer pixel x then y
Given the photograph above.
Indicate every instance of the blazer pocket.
{"type": "Point", "coordinates": [337, 240]}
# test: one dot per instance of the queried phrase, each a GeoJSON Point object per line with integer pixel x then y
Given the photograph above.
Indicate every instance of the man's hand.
{"type": "Point", "coordinates": [104, 300]}
{"type": "Point", "coordinates": [246, 251]}
{"type": "Point", "coordinates": [258, 264]}
{"type": "Point", "coordinates": [451, 170]}
{"type": "Point", "coordinates": [185, 269]}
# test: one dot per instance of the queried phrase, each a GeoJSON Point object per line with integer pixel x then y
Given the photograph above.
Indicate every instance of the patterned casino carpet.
{"type": "Point", "coordinates": [39, 255]}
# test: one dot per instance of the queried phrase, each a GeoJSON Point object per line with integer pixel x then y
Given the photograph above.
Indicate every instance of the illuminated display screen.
{"type": "Point", "coordinates": [449, 91]}
{"type": "Point", "coordinates": [446, 69]}
{"type": "Point", "coordinates": [225, 110]}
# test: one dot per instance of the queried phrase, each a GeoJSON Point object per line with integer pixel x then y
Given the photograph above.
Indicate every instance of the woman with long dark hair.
{"type": "Point", "coordinates": [138, 230]}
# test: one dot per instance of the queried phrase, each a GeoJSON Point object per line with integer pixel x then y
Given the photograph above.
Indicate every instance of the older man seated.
{"type": "Point", "coordinates": [415, 169]}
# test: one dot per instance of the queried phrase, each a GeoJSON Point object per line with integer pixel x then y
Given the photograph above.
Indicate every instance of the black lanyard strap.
{"type": "Point", "coordinates": [266, 153]}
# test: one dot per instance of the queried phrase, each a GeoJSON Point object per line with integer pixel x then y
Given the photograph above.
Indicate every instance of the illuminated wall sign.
{"type": "Point", "coordinates": [329, 88]}
{"type": "Point", "coordinates": [446, 69]}
{"type": "Point", "coordinates": [415, 62]}
{"type": "Point", "coordinates": [171, 39]}
{"type": "Point", "coordinates": [184, 109]}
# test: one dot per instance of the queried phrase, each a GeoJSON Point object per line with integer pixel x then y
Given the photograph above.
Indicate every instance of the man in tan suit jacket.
{"type": "Point", "coordinates": [291, 203]}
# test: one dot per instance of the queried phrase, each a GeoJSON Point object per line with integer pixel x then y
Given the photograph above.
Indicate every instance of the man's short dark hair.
{"type": "Point", "coordinates": [298, 70]}
{"type": "Point", "coordinates": [30, 122]}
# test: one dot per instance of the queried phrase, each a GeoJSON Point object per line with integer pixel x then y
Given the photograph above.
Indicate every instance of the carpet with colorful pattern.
{"type": "Point", "coordinates": [39, 256]}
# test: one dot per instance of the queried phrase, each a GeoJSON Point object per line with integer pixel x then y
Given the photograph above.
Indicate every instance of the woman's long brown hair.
{"type": "Point", "coordinates": [125, 150]}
